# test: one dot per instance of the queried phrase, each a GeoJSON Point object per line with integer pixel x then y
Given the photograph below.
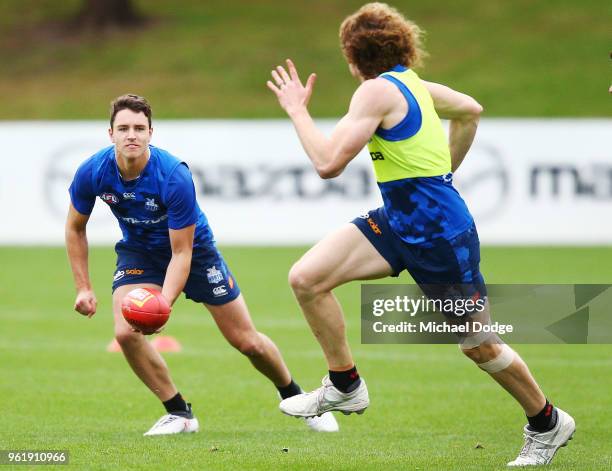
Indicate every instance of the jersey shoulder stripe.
{"type": "Point", "coordinates": [413, 120]}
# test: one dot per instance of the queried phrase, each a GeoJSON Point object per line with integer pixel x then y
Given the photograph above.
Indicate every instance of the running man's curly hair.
{"type": "Point", "coordinates": [377, 37]}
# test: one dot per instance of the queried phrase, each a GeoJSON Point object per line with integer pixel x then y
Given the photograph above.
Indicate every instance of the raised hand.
{"type": "Point", "coordinates": [292, 95]}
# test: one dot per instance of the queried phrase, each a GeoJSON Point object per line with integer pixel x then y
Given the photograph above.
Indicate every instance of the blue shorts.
{"type": "Point", "coordinates": [210, 281]}
{"type": "Point", "coordinates": [441, 267]}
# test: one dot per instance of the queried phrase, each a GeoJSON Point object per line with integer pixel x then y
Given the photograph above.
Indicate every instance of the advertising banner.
{"type": "Point", "coordinates": [526, 181]}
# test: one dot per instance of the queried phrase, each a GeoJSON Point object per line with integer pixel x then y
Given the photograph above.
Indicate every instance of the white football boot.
{"type": "Point", "coordinates": [540, 447]}
{"type": "Point", "coordinates": [170, 424]}
{"type": "Point", "coordinates": [325, 423]}
{"type": "Point", "coordinates": [326, 399]}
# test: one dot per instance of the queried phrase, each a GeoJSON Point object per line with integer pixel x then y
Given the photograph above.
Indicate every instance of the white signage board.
{"type": "Point", "coordinates": [526, 181]}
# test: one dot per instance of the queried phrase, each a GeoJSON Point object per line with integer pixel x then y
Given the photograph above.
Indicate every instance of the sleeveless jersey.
{"type": "Point", "coordinates": [412, 164]}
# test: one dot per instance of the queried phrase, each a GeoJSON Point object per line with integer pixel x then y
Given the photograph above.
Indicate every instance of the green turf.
{"type": "Point", "coordinates": [211, 59]}
{"type": "Point", "coordinates": [430, 406]}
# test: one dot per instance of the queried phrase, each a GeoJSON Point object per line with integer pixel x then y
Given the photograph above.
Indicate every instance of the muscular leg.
{"type": "Point", "coordinates": [510, 372]}
{"type": "Point", "coordinates": [347, 255]}
{"type": "Point", "coordinates": [235, 324]}
{"type": "Point", "coordinates": [145, 361]}
{"type": "Point", "coordinates": [342, 256]}
{"type": "Point", "coordinates": [516, 378]}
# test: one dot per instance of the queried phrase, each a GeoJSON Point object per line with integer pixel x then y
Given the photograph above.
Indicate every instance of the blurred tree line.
{"type": "Point", "coordinates": [102, 14]}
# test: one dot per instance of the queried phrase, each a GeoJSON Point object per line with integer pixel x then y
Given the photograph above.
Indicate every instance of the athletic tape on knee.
{"type": "Point", "coordinates": [500, 362]}
{"type": "Point", "coordinates": [467, 343]}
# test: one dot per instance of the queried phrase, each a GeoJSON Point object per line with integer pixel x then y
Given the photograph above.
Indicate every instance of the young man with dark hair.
{"type": "Point", "coordinates": [423, 227]}
{"type": "Point", "coordinates": [167, 245]}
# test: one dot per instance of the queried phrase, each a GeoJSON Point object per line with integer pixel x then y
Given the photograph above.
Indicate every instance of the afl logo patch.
{"type": "Point", "coordinates": [109, 198]}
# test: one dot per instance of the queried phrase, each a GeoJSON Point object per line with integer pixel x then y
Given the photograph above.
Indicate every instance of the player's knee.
{"type": "Point", "coordinates": [491, 357]}
{"type": "Point", "coordinates": [483, 352]}
{"type": "Point", "coordinates": [302, 280]}
{"type": "Point", "coordinates": [251, 346]}
{"type": "Point", "coordinates": [125, 336]}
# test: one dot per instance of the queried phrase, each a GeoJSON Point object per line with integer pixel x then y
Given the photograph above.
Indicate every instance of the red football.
{"type": "Point", "coordinates": [145, 309]}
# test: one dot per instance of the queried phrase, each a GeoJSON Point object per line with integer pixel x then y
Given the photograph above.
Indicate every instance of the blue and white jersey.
{"type": "Point", "coordinates": [161, 198]}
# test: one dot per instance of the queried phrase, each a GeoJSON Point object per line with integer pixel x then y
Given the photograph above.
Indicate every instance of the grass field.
{"type": "Point", "coordinates": [430, 407]}
{"type": "Point", "coordinates": [60, 389]}
{"type": "Point", "coordinates": [211, 59]}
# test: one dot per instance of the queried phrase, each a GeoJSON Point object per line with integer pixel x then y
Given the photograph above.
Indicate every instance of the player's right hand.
{"type": "Point", "coordinates": [86, 303]}
{"type": "Point", "coordinates": [288, 88]}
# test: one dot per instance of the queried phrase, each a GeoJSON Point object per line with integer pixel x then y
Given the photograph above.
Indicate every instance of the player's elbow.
{"type": "Point", "coordinates": [327, 173]}
{"type": "Point", "coordinates": [330, 170]}
{"type": "Point", "coordinates": [183, 250]}
{"type": "Point", "coordinates": [473, 109]}
{"type": "Point", "coordinates": [74, 230]}
{"type": "Point", "coordinates": [478, 108]}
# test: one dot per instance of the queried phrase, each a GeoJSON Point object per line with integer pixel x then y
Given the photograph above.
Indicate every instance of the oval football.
{"type": "Point", "coordinates": [145, 321]}
{"type": "Point", "coordinates": [145, 309]}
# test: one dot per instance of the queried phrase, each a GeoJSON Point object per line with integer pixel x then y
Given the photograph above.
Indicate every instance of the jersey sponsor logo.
{"type": "Point", "coordinates": [151, 205]}
{"type": "Point", "coordinates": [145, 221]}
{"type": "Point", "coordinates": [130, 271]}
{"type": "Point", "coordinates": [109, 198]}
{"type": "Point", "coordinates": [129, 196]}
{"type": "Point", "coordinates": [377, 156]}
{"type": "Point", "coordinates": [219, 291]}
{"type": "Point", "coordinates": [214, 276]}
{"type": "Point", "coordinates": [448, 178]}
{"type": "Point", "coordinates": [364, 216]}
{"type": "Point", "coordinates": [374, 227]}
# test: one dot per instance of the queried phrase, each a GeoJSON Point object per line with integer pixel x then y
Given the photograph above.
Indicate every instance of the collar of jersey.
{"type": "Point", "coordinates": [397, 68]}
{"type": "Point", "coordinates": [133, 181]}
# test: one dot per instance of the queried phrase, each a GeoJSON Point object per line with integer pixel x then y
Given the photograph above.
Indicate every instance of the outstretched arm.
{"type": "Point", "coordinates": [78, 250]}
{"type": "Point", "coordinates": [464, 114]}
{"type": "Point", "coordinates": [330, 156]}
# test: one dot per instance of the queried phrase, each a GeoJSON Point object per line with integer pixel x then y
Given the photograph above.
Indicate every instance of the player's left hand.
{"type": "Point", "coordinates": [288, 88]}
{"type": "Point", "coordinates": [158, 331]}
